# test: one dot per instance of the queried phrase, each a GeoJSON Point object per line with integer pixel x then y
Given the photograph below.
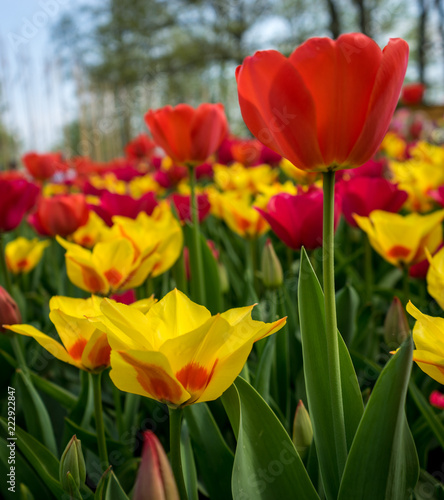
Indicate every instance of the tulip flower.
{"type": "Point", "coordinates": [188, 135]}
{"type": "Point", "coordinates": [362, 195]}
{"type": "Point", "coordinates": [136, 249]}
{"type": "Point", "coordinates": [436, 399]}
{"type": "Point", "coordinates": [412, 93]}
{"type": "Point", "coordinates": [43, 166]}
{"type": "Point", "coordinates": [435, 277]}
{"type": "Point", "coordinates": [327, 106]}
{"type": "Point", "coordinates": [83, 345]}
{"type": "Point", "coordinates": [112, 204]}
{"type": "Point", "coordinates": [177, 353]}
{"type": "Point", "coordinates": [241, 217]}
{"type": "Point", "coordinates": [140, 148]}
{"type": "Point", "coordinates": [402, 240]}
{"type": "Point", "coordinates": [23, 255]}
{"type": "Point", "coordinates": [92, 232]}
{"type": "Point", "coordinates": [428, 333]}
{"type": "Point", "coordinates": [60, 215]}
{"type": "Point", "coordinates": [155, 480]}
{"type": "Point", "coordinates": [17, 196]}
{"type": "Point", "coordinates": [238, 178]}
{"type": "Point", "coordinates": [9, 311]}
{"type": "Point", "coordinates": [297, 219]}
{"type": "Point", "coordinates": [183, 206]}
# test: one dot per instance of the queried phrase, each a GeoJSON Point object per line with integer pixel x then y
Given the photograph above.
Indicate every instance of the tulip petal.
{"type": "Point", "coordinates": [430, 363]}
{"type": "Point", "coordinates": [384, 98]}
{"type": "Point", "coordinates": [73, 332]}
{"type": "Point", "coordinates": [48, 343]}
{"type": "Point", "coordinates": [278, 108]}
{"type": "Point", "coordinates": [340, 76]}
{"type": "Point", "coordinates": [97, 352]}
{"type": "Point", "coordinates": [146, 373]}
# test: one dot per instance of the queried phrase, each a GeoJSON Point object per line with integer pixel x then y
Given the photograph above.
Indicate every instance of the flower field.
{"type": "Point", "coordinates": [214, 316]}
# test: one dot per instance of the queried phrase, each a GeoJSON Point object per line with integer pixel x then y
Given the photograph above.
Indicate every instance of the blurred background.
{"type": "Point", "coordinates": [78, 77]}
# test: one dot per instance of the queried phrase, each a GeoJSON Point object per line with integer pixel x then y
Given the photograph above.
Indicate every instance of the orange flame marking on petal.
{"type": "Point", "coordinates": [100, 353]}
{"type": "Point", "coordinates": [155, 380]}
{"type": "Point", "coordinates": [22, 264]}
{"type": "Point", "coordinates": [76, 350]}
{"type": "Point", "coordinates": [398, 252]}
{"type": "Point", "coordinates": [113, 276]}
{"type": "Point", "coordinates": [195, 377]}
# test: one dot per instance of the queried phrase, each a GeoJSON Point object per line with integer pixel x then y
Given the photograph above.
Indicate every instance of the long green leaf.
{"type": "Point", "coordinates": [188, 463]}
{"type": "Point", "coordinates": [44, 462]}
{"type": "Point", "coordinates": [428, 413]}
{"type": "Point", "coordinates": [266, 464]}
{"type": "Point", "coordinates": [314, 348]}
{"type": "Point", "coordinates": [36, 415]}
{"type": "Point", "coordinates": [382, 462]}
{"type": "Point", "coordinates": [211, 452]}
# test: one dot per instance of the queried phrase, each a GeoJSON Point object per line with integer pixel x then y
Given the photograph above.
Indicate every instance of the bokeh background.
{"type": "Point", "coordinates": [78, 76]}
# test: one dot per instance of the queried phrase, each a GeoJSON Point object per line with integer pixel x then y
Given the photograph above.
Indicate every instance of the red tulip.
{"type": "Point", "coordinates": [60, 215]}
{"type": "Point", "coordinates": [436, 399]}
{"type": "Point", "coordinates": [412, 93]}
{"type": "Point", "coordinates": [329, 105]}
{"type": "Point", "coordinates": [362, 195]}
{"type": "Point", "coordinates": [186, 134]}
{"type": "Point", "coordinates": [17, 196]}
{"type": "Point", "coordinates": [112, 204]}
{"type": "Point", "coordinates": [140, 148]}
{"type": "Point", "coordinates": [9, 311]}
{"type": "Point", "coordinates": [297, 219]}
{"type": "Point", "coordinates": [44, 166]}
{"type": "Point", "coordinates": [183, 206]}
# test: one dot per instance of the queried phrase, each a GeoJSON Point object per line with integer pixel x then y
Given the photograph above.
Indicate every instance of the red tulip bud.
{"type": "Point", "coordinates": [9, 311]}
{"type": "Point", "coordinates": [155, 480]}
{"type": "Point", "coordinates": [396, 326]}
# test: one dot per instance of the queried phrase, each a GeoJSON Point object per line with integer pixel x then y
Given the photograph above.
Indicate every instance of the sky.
{"type": "Point", "coordinates": [35, 100]}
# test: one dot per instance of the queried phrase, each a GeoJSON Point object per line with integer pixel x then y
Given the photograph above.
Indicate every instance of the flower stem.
{"type": "Point", "coordinates": [101, 440]}
{"type": "Point", "coordinates": [176, 460]}
{"type": "Point", "coordinates": [334, 370]}
{"type": "Point", "coordinates": [197, 270]}
{"type": "Point", "coordinates": [406, 285]}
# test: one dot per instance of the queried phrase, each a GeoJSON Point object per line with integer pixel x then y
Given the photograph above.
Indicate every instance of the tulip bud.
{"type": "Point", "coordinates": [72, 471]}
{"type": "Point", "coordinates": [396, 326]}
{"type": "Point", "coordinates": [302, 430]}
{"type": "Point", "coordinates": [155, 480]}
{"type": "Point", "coordinates": [223, 277]}
{"type": "Point", "coordinates": [272, 275]}
{"type": "Point", "coordinates": [9, 311]}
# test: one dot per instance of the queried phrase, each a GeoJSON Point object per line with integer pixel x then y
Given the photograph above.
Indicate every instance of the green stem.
{"type": "Point", "coordinates": [176, 459]}
{"type": "Point", "coordinates": [7, 277]}
{"type": "Point", "coordinates": [197, 272]}
{"type": "Point", "coordinates": [100, 428]}
{"type": "Point", "coordinates": [18, 352]}
{"type": "Point", "coordinates": [334, 370]}
{"type": "Point", "coordinates": [368, 269]}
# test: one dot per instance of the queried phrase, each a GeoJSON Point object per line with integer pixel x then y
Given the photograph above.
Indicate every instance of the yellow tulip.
{"type": "Point", "coordinates": [22, 255]}
{"type": "Point", "coordinates": [402, 240]}
{"type": "Point", "coordinates": [92, 232]}
{"type": "Point", "coordinates": [299, 176]}
{"type": "Point", "coordinates": [241, 217]}
{"type": "Point", "coordinates": [435, 277]}
{"type": "Point", "coordinates": [136, 249]}
{"type": "Point", "coordinates": [428, 335]}
{"type": "Point", "coordinates": [177, 353]}
{"type": "Point", "coordinates": [83, 345]}
{"type": "Point", "coordinates": [236, 177]}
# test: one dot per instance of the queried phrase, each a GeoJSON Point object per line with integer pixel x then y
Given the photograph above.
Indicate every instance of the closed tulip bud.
{"type": "Point", "coordinates": [396, 326]}
{"type": "Point", "coordinates": [72, 471]}
{"type": "Point", "coordinates": [223, 277]}
{"type": "Point", "coordinates": [155, 480]}
{"type": "Point", "coordinates": [9, 311]}
{"type": "Point", "coordinates": [272, 275]}
{"type": "Point", "coordinates": [302, 430]}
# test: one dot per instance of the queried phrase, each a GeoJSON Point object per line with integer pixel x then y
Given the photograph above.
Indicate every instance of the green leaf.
{"type": "Point", "coordinates": [347, 303]}
{"type": "Point", "coordinates": [428, 412]}
{"type": "Point", "coordinates": [101, 487]}
{"type": "Point", "coordinates": [214, 458]}
{"type": "Point", "coordinates": [214, 300]}
{"type": "Point", "coordinates": [36, 415]}
{"type": "Point", "coordinates": [266, 464]}
{"type": "Point", "coordinates": [59, 394]}
{"type": "Point", "coordinates": [113, 490]}
{"type": "Point", "coordinates": [315, 355]}
{"type": "Point", "coordinates": [382, 462]}
{"type": "Point", "coordinates": [263, 372]}
{"type": "Point", "coordinates": [44, 462]}
{"type": "Point", "coordinates": [189, 466]}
